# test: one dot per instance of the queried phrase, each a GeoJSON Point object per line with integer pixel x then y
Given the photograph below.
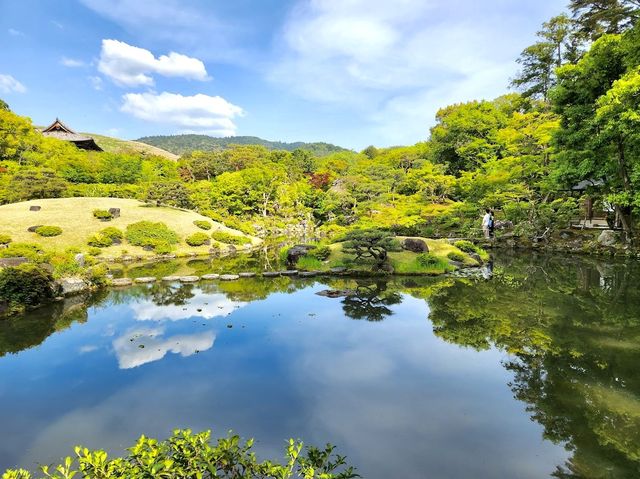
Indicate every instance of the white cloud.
{"type": "Point", "coordinates": [71, 62]}
{"type": "Point", "coordinates": [204, 113]}
{"type": "Point", "coordinates": [396, 63]}
{"type": "Point", "coordinates": [15, 33]}
{"type": "Point", "coordinates": [144, 346]}
{"type": "Point", "coordinates": [127, 65]}
{"type": "Point", "coordinates": [96, 82]}
{"type": "Point", "coordinates": [8, 84]}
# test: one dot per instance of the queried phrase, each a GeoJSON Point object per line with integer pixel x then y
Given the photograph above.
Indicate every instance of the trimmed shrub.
{"type": "Point", "coordinates": [202, 224]}
{"type": "Point", "coordinates": [197, 239]}
{"type": "Point", "coordinates": [113, 233]}
{"type": "Point", "coordinates": [163, 249]}
{"type": "Point", "coordinates": [429, 260]}
{"type": "Point", "coordinates": [456, 256]}
{"type": "Point", "coordinates": [320, 253]}
{"type": "Point", "coordinates": [147, 233]}
{"type": "Point", "coordinates": [5, 239]}
{"type": "Point", "coordinates": [103, 215]}
{"type": "Point", "coordinates": [27, 250]}
{"type": "Point", "coordinates": [94, 251]}
{"type": "Point", "coordinates": [228, 238]}
{"type": "Point", "coordinates": [48, 231]}
{"type": "Point", "coordinates": [25, 286]}
{"type": "Point", "coordinates": [100, 241]}
{"type": "Point", "coordinates": [466, 246]}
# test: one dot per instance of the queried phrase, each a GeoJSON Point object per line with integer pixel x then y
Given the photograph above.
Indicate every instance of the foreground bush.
{"type": "Point", "coordinates": [32, 252]}
{"type": "Point", "coordinates": [25, 286]}
{"type": "Point", "coordinates": [147, 233]}
{"type": "Point", "coordinates": [102, 215]}
{"type": "Point", "coordinates": [48, 231]}
{"type": "Point", "coordinates": [229, 238]}
{"type": "Point", "coordinates": [5, 239]}
{"type": "Point", "coordinates": [202, 224]}
{"type": "Point", "coordinates": [186, 455]}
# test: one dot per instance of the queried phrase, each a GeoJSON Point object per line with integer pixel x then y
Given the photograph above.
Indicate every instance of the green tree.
{"type": "Point", "coordinates": [598, 17]}
{"type": "Point", "coordinates": [370, 244]}
{"type": "Point", "coordinates": [169, 193]}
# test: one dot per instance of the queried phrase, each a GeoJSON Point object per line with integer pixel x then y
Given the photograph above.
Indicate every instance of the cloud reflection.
{"type": "Point", "coordinates": [206, 306]}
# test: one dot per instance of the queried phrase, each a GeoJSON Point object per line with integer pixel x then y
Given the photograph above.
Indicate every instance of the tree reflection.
{"type": "Point", "coordinates": [370, 301]}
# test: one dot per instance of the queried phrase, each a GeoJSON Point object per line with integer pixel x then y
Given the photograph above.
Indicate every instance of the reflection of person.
{"type": "Point", "coordinates": [487, 270]}
{"type": "Point", "coordinates": [492, 224]}
{"type": "Point", "coordinates": [486, 221]}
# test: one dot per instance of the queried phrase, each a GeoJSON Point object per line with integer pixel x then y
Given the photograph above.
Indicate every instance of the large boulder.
{"type": "Point", "coordinates": [608, 238]}
{"type": "Point", "coordinates": [69, 286]}
{"type": "Point", "coordinates": [296, 252]}
{"type": "Point", "coordinates": [17, 261]}
{"type": "Point", "coordinates": [115, 212]}
{"type": "Point", "coordinates": [415, 245]}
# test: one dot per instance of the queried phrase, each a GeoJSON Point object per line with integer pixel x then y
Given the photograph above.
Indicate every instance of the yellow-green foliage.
{"type": "Point", "coordinates": [228, 238]}
{"type": "Point", "coordinates": [48, 231]}
{"type": "Point", "coordinates": [202, 224]}
{"type": "Point", "coordinates": [26, 285]}
{"type": "Point", "coordinates": [197, 239]}
{"type": "Point", "coordinates": [5, 239]}
{"type": "Point", "coordinates": [147, 233]}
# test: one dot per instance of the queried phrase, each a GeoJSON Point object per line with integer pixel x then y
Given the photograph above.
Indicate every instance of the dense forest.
{"type": "Point", "coordinates": [574, 115]}
{"type": "Point", "coordinates": [180, 144]}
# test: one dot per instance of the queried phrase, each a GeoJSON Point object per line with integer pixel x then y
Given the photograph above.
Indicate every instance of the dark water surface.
{"type": "Point", "coordinates": [532, 373]}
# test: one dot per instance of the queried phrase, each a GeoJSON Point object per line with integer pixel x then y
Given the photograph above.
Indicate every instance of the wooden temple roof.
{"type": "Point", "coordinates": [59, 130]}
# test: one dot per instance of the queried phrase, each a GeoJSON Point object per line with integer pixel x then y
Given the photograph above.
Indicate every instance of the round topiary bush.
{"type": "Point", "coordinates": [466, 246]}
{"type": "Point", "coordinates": [428, 260]}
{"type": "Point", "coordinates": [203, 225]}
{"type": "Point", "coordinates": [147, 233]}
{"type": "Point", "coordinates": [25, 286]}
{"type": "Point", "coordinates": [100, 241]}
{"type": "Point", "coordinates": [48, 231]}
{"type": "Point", "coordinates": [5, 239]}
{"type": "Point", "coordinates": [113, 233]}
{"type": "Point", "coordinates": [320, 253]}
{"type": "Point", "coordinates": [229, 238]}
{"type": "Point", "coordinates": [94, 251]}
{"type": "Point", "coordinates": [103, 215]}
{"type": "Point", "coordinates": [198, 239]}
{"type": "Point", "coordinates": [456, 256]}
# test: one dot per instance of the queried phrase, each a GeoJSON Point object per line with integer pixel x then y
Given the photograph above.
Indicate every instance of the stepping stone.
{"type": "Point", "coordinates": [248, 274]}
{"type": "Point", "coordinates": [290, 272]}
{"type": "Point", "coordinates": [189, 279]}
{"type": "Point", "coordinates": [208, 277]}
{"type": "Point", "coordinates": [270, 274]}
{"type": "Point", "coordinates": [171, 278]}
{"type": "Point", "coordinates": [121, 282]}
{"type": "Point", "coordinates": [229, 277]}
{"type": "Point", "coordinates": [308, 274]}
{"type": "Point", "coordinates": [145, 279]}
{"type": "Point", "coordinates": [338, 270]}
{"type": "Point", "coordinates": [335, 293]}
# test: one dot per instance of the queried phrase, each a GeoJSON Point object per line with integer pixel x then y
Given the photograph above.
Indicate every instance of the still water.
{"type": "Point", "coordinates": [531, 373]}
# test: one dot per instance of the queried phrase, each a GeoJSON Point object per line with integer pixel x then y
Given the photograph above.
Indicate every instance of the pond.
{"type": "Point", "coordinates": [529, 373]}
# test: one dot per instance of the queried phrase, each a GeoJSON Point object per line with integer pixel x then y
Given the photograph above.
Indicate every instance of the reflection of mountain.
{"type": "Point", "coordinates": [142, 346]}
{"type": "Point", "coordinates": [574, 332]}
{"type": "Point", "coordinates": [201, 305]}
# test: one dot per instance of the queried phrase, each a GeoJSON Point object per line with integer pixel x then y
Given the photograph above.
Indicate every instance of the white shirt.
{"type": "Point", "coordinates": [485, 219]}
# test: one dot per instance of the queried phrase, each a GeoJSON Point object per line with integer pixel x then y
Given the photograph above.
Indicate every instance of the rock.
{"type": "Point", "coordinates": [566, 234]}
{"type": "Point", "coordinates": [171, 278]}
{"type": "Point", "coordinates": [79, 259]}
{"type": "Point", "coordinates": [503, 224]}
{"type": "Point", "coordinates": [338, 270]}
{"type": "Point", "coordinates": [69, 286]}
{"type": "Point", "coordinates": [127, 259]}
{"type": "Point", "coordinates": [115, 212]}
{"type": "Point", "coordinates": [296, 252]}
{"type": "Point", "coordinates": [189, 279]}
{"type": "Point", "coordinates": [608, 238]}
{"type": "Point", "coordinates": [214, 251]}
{"type": "Point", "coordinates": [308, 274]}
{"type": "Point", "coordinates": [116, 241]}
{"type": "Point", "coordinates": [477, 257]}
{"type": "Point", "coordinates": [289, 272]}
{"type": "Point", "coordinates": [229, 277]}
{"type": "Point", "coordinates": [270, 274]}
{"type": "Point", "coordinates": [17, 261]}
{"type": "Point", "coordinates": [147, 248]}
{"type": "Point", "coordinates": [415, 245]}
{"type": "Point", "coordinates": [335, 293]}
{"type": "Point", "coordinates": [209, 277]}
{"type": "Point", "coordinates": [35, 208]}
{"type": "Point", "coordinates": [32, 229]}
{"type": "Point", "coordinates": [145, 279]}
{"type": "Point", "coordinates": [247, 274]}
{"type": "Point", "coordinates": [121, 282]}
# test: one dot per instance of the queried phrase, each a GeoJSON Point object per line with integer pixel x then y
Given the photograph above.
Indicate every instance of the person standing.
{"type": "Point", "coordinates": [486, 221]}
{"type": "Point", "coordinates": [492, 224]}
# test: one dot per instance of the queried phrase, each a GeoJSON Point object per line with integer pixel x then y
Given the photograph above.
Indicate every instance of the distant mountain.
{"type": "Point", "coordinates": [180, 144]}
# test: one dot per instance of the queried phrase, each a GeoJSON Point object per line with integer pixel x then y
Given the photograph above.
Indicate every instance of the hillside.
{"type": "Point", "coordinates": [180, 144]}
{"type": "Point", "coordinates": [116, 145]}
{"type": "Point", "coordinates": [75, 217]}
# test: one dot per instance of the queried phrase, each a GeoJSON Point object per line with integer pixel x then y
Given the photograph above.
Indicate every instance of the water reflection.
{"type": "Point", "coordinates": [403, 397]}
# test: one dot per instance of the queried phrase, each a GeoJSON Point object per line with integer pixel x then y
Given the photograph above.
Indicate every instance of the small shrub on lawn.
{"type": "Point", "coordinates": [25, 286]}
{"type": "Point", "coordinates": [229, 238]}
{"type": "Point", "coordinates": [94, 251]}
{"type": "Point", "coordinates": [308, 263]}
{"type": "Point", "coordinates": [197, 239]}
{"type": "Point", "coordinates": [429, 260]}
{"type": "Point", "coordinates": [202, 224]}
{"type": "Point", "coordinates": [163, 248]}
{"type": "Point", "coordinates": [147, 233]}
{"type": "Point", "coordinates": [456, 256]}
{"type": "Point", "coordinates": [48, 231]}
{"type": "Point", "coordinates": [5, 239]}
{"type": "Point", "coordinates": [30, 251]}
{"type": "Point", "coordinates": [466, 246]}
{"type": "Point", "coordinates": [100, 241]}
{"type": "Point", "coordinates": [103, 215]}
{"type": "Point", "coordinates": [113, 233]}
{"type": "Point", "coordinates": [321, 253]}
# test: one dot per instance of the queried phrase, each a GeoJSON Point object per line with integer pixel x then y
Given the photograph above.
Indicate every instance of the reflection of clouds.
{"type": "Point", "coordinates": [89, 348]}
{"type": "Point", "coordinates": [130, 353]}
{"type": "Point", "coordinates": [203, 305]}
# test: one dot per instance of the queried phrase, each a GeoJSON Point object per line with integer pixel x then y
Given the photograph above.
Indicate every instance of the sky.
{"type": "Point", "coordinates": [348, 72]}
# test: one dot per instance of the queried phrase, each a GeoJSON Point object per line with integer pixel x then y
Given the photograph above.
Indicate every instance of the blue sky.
{"type": "Point", "coordinates": [350, 72]}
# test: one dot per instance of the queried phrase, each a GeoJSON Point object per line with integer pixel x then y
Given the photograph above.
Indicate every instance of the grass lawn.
{"type": "Point", "coordinates": [75, 217]}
